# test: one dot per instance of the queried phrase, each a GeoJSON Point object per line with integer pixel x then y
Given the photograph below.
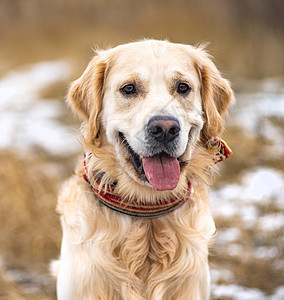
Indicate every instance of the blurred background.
{"type": "Point", "coordinates": [46, 44]}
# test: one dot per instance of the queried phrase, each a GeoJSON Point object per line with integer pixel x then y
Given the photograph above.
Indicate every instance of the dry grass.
{"type": "Point", "coordinates": [9, 290]}
{"type": "Point", "coordinates": [56, 90]}
{"type": "Point", "coordinates": [30, 230]}
{"type": "Point", "coordinates": [250, 271]}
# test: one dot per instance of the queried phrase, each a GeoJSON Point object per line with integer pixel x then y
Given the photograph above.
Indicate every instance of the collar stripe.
{"type": "Point", "coordinates": [144, 210]}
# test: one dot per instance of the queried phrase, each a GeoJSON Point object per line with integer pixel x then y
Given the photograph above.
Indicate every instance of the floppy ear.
{"type": "Point", "coordinates": [216, 95]}
{"type": "Point", "coordinates": [85, 94]}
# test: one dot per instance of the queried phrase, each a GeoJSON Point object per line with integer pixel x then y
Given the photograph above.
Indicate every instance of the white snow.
{"type": "Point", "coordinates": [236, 292]}
{"type": "Point", "coordinates": [27, 121]}
{"type": "Point", "coordinates": [251, 109]}
{"type": "Point", "coordinates": [20, 87]}
{"type": "Point", "coordinates": [257, 186]}
{"type": "Point", "coordinates": [222, 274]}
{"type": "Point", "coordinates": [266, 252]}
{"type": "Point", "coordinates": [271, 222]}
{"type": "Point", "coordinates": [252, 112]}
{"type": "Point", "coordinates": [229, 235]}
{"type": "Point", "coordinates": [279, 294]}
{"type": "Point", "coordinates": [263, 186]}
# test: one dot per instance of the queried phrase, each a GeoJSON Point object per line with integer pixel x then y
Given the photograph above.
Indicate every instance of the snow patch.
{"type": "Point", "coordinates": [26, 121]}
{"type": "Point", "coordinates": [236, 292]}
{"type": "Point", "coordinates": [266, 252]}
{"type": "Point", "coordinates": [279, 293]}
{"type": "Point", "coordinates": [271, 222]}
{"type": "Point", "coordinates": [262, 186]}
{"type": "Point", "coordinates": [219, 275]}
{"type": "Point", "coordinates": [253, 111]}
{"type": "Point", "coordinates": [229, 235]}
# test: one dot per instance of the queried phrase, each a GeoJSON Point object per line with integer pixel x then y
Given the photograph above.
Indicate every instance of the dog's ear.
{"type": "Point", "coordinates": [216, 94]}
{"type": "Point", "coordinates": [86, 93]}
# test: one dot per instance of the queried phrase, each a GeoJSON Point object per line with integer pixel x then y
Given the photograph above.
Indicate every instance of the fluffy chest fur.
{"type": "Point", "coordinates": [133, 258]}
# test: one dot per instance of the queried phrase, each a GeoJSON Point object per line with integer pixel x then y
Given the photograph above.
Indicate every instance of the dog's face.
{"type": "Point", "coordinates": [152, 101]}
{"type": "Point", "coordinates": [152, 111]}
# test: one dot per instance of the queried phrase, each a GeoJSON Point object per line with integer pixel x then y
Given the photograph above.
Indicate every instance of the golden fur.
{"type": "Point", "coordinates": [108, 255]}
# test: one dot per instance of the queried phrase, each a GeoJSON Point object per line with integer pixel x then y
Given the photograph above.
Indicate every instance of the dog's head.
{"type": "Point", "coordinates": [151, 103]}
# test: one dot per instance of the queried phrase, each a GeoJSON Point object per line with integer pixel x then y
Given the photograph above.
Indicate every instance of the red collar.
{"type": "Point", "coordinates": [143, 210]}
{"type": "Point", "coordinates": [107, 196]}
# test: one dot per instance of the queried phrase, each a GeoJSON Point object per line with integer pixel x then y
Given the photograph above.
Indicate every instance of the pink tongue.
{"type": "Point", "coordinates": [162, 171]}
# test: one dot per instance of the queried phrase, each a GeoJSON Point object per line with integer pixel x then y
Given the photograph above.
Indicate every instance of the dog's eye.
{"type": "Point", "coordinates": [183, 88]}
{"type": "Point", "coordinates": [128, 89]}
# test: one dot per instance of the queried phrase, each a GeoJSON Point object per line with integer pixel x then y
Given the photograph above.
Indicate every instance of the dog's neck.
{"type": "Point", "coordinates": [106, 195]}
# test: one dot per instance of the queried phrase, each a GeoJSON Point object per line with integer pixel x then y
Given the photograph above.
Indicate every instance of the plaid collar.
{"type": "Point", "coordinates": [107, 197]}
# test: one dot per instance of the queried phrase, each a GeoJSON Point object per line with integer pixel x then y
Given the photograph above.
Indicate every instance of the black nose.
{"type": "Point", "coordinates": [163, 129]}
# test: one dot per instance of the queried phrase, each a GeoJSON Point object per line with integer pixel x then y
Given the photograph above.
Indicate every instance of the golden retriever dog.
{"type": "Point", "coordinates": [135, 216]}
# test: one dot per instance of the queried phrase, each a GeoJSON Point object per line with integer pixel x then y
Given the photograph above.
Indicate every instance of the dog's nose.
{"type": "Point", "coordinates": [163, 129]}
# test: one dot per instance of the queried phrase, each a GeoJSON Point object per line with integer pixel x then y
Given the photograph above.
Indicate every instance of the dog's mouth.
{"type": "Point", "coordinates": [162, 171]}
